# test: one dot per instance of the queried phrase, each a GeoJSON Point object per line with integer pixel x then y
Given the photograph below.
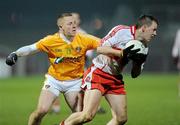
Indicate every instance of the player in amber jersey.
{"type": "Point", "coordinates": [66, 52]}
{"type": "Point", "coordinates": [55, 108]}
{"type": "Point", "coordinates": [89, 56]}
{"type": "Point", "coordinates": [66, 57]}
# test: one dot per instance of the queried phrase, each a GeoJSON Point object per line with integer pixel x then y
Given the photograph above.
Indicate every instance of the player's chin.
{"type": "Point", "coordinates": [152, 37]}
{"type": "Point", "coordinates": [73, 33]}
{"type": "Point", "coordinates": [148, 40]}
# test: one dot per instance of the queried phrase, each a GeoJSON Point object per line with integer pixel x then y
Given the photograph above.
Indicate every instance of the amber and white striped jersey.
{"type": "Point", "coordinates": [117, 39]}
{"type": "Point", "coordinates": [67, 58]}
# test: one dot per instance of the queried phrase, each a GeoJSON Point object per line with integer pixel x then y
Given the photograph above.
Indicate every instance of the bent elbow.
{"type": "Point", "coordinates": [135, 74]}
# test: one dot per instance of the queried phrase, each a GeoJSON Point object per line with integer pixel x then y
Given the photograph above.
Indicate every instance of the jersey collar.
{"type": "Point", "coordinates": [64, 38]}
{"type": "Point", "coordinates": [133, 30]}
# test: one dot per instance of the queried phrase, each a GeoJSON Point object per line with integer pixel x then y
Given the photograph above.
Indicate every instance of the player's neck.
{"type": "Point", "coordinates": [138, 35]}
{"type": "Point", "coordinates": [66, 38]}
{"type": "Point", "coordinates": [70, 38]}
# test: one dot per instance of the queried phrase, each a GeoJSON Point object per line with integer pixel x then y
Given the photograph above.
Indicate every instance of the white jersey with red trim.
{"type": "Point", "coordinates": [117, 39]}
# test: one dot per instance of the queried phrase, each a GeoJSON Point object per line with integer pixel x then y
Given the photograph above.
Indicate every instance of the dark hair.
{"type": "Point", "coordinates": [145, 20]}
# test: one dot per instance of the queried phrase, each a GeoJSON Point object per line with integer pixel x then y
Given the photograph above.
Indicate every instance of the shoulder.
{"type": "Point", "coordinates": [49, 39]}
{"type": "Point", "coordinates": [52, 36]}
{"type": "Point", "coordinates": [119, 29]}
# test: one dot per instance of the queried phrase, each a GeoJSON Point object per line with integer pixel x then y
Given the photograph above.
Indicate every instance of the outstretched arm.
{"type": "Point", "coordinates": [23, 51]}
{"type": "Point", "coordinates": [26, 50]}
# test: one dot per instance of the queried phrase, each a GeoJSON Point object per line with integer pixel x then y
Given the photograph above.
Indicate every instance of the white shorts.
{"type": "Point", "coordinates": [56, 86]}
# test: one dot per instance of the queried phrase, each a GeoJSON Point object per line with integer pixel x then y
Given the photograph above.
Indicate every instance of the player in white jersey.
{"type": "Point", "coordinates": [104, 77]}
{"type": "Point", "coordinates": [176, 50]}
{"type": "Point", "coordinates": [176, 54]}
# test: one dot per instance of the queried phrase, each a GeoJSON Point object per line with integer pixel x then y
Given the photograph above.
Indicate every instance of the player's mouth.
{"type": "Point", "coordinates": [74, 30]}
{"type": "Point", "coordinates": [152, 36]}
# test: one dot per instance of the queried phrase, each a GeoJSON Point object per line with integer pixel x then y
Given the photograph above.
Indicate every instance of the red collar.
{"type": "Point", "coordinates": [133, 30]}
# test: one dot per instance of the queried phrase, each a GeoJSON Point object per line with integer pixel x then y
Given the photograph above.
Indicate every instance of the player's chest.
{"type": "Point", "coordinates": [71, 49]}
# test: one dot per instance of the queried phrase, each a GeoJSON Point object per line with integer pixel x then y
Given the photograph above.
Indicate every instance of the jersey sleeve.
{"type": "Point", "coordinates": [117, 36]}
{"type": "Point", "coordinates": [92, 42]}
{"type": "Point", "coordinates": [43, 44]}
{"type": "Point", "coordinates": [111, 38]}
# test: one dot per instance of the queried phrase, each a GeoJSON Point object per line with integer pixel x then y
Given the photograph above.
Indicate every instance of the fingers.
{"type": "Point", "coordinates": [138, 58]}
{"type": "Point", "coordinates": [9, 62]}
{"type": "Point", "coordinates": [11, 59]}
{"type": "Point", "coordinates": [129, 48]}
{"type": "Point", "coordinates": [134, 51]}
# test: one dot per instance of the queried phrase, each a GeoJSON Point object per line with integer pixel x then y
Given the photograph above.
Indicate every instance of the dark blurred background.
{"type": "Point", "coordinates": [23, 22]}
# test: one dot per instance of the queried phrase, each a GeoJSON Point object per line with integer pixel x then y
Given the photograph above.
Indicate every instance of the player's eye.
{"type": "Point", "coordinates": [70, 23]}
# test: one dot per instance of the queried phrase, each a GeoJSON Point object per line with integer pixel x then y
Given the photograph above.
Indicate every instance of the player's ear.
{"type": "Point", "coordinates": [60, 27]}
{"type": "Point", "coordinates": [143, 28]}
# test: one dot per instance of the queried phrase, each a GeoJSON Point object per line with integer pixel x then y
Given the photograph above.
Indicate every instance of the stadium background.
{"type": "Point", "coordinates": [24, 22]}
{"type": "Point", "coordinates": [152, 98]}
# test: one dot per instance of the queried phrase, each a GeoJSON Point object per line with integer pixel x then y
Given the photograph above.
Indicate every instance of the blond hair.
{"type": "Point", "coordinates": [59, 20]}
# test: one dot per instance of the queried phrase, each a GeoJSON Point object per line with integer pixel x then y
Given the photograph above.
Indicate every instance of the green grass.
{"type": "Point", "coordinates": [152, 100]}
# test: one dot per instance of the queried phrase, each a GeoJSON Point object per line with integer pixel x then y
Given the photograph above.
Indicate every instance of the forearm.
{"type": "Point", "coordinates": [136, 70]}
{"type": "Point", "coordinates": [106, 50]}
{"type": "Point", "coordinates": [26, 50]}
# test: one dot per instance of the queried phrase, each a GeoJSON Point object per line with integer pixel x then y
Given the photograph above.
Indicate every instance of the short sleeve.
{"type": "Point", "coordinates": [43, 44]}
{"type": "Point", "coordinates": [91, 41]}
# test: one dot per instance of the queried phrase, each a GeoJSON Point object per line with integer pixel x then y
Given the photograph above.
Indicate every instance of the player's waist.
{"type": "Point", "coordinates": [108, 67]}
{"type": "Point", "coordinates": [62, 81]}
{"type": "Point", "coordinates": [66, 76]}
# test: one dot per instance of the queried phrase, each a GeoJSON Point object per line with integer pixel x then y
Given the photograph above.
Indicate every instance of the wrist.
{"type": "Point", "coordinates": [121, 53]}
{"type": "Point", "coordinates": [15, 53]}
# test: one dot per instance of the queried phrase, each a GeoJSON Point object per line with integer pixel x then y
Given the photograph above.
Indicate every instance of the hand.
{"type": "Point", "coordinates": [11, 59]}
{"type": "Point", "coordinates": [175, 60]}
{"type": "Point", "coordinates": [128, 52]}
{"type": "Point", "coordinates": [138, 58]}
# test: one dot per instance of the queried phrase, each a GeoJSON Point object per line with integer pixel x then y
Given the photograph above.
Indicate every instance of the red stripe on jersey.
{"type": "Point", "coordinates": [133, 30]}
{"type": "Point", "coordinates": [113, 32]}
{"type": "Point", "coordinates": [116, 48]}
{"type": "Point", "coordinates": [104, 39]}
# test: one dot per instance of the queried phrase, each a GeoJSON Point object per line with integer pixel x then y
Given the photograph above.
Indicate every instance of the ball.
{"type": "Point", "coordinates": [137, 45]}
